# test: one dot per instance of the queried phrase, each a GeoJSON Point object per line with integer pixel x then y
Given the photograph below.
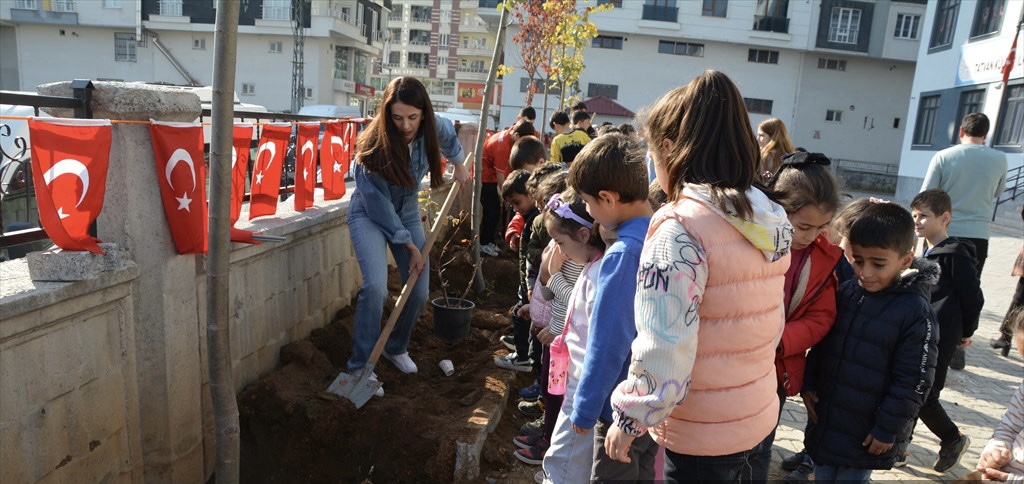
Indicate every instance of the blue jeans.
{"type": "Point", "coordinates": [746, 466]}
{"type": "Point", "coordinates": [840, 474]}
{"type": "Point", "coordinates": [370, 247]}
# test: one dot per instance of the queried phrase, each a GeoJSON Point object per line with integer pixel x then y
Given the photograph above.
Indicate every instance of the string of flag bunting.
{"type": "Point", "coordinates": [70, 159]}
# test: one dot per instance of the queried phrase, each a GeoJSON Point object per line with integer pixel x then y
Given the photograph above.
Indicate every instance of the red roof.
{"type": "Point", "coordinates": [604, 105]}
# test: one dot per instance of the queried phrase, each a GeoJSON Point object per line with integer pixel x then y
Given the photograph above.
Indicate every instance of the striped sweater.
{"type": "Point", "coordinates": [561, 284]}
{"type": "Point", "coordinates": [1009, 435]}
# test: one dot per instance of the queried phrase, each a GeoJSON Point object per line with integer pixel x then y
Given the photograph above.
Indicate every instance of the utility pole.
{"type": "Point", "coordinates": [298, 54]}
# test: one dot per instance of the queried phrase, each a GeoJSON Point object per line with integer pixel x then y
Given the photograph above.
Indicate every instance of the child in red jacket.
{"type": "Point", "coordinates": [809, 192]}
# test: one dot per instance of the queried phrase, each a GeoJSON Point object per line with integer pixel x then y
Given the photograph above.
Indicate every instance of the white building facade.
{"type": "Point", "coordinates": [837, 72]}
{"type": "Point", "coordinates": [959, 72]}
{"type": "Point", "coordinates": [171, 41]}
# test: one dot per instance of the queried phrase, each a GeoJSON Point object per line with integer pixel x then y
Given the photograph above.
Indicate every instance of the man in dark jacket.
{"type": "Point", "coordinates": [957, 301]}
{"type": "Point", "coordinates": [868, 378]}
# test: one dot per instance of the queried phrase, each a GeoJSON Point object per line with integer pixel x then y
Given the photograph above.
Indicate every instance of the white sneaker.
{"type": "Point", "coordinates": [511, 361]}
{"type": "Point", "coordinates": [380, 389]}
{"type": "Point", "coordinates": [403, 362]}
{"type": "Point", "coordinates": [489, 250]}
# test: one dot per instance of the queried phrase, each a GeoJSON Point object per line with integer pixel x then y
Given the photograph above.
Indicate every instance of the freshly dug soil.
{"type": "Point", "coordinates": [293, 431]}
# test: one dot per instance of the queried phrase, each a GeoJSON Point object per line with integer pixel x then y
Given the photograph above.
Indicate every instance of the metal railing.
{"type": "Point", "coordinates": [16, 168]}
{"type": "Point", "coordinates": [866, 166]}
{"type": "Point", "coordinates": [1014, 188]}
{"type": "Point", "coordinates": [660, 13]}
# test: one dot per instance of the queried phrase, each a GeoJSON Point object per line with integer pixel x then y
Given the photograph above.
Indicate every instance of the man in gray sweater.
{"type": "Point", "coordinates": [973, 175]}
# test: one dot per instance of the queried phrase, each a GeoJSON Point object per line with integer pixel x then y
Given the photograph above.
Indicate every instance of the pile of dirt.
{"type": "Point", "coordinates": [294, 431]}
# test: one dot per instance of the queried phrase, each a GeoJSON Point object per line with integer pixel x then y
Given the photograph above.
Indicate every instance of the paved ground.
{"type": "Point", "coordinates": [975, 398]}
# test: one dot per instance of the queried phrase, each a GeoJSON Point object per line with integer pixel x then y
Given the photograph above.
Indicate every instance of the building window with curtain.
{"type": "Point", "coordinates": [945, 23]}
{"type": "Point", "coordinates": [988, 17]}
{"type": "Point", "coordinates": [1010, 125]}
{"type": "Point", "coordinates": [926, 113]}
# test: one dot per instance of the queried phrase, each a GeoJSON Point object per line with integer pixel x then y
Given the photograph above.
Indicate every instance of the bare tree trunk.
{"type": "Point", "coordinates": [499, 46]}
{"type": "Point", "coordinates": [222, 388]}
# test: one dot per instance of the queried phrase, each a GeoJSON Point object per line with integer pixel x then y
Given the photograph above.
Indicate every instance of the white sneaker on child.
{"type": "Point", "coordinates": [380, 389]}
{"type": "Point", "coordinates": [403, 362]}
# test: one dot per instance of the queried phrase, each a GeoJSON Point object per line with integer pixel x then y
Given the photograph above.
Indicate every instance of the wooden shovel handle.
{"type": "Point", "coordinates": [439, 222]}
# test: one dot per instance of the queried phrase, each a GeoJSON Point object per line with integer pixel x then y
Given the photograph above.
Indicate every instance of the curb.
{"type": "Point", "coordinates": [486, 418]}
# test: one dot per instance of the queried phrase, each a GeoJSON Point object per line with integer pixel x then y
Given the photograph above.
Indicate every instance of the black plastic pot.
{"type": "Point", "coordinates": [452, 318]}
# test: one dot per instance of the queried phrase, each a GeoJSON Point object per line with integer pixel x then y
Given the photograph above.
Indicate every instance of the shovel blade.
{"type": "Point", "coordinates": [357, 388]}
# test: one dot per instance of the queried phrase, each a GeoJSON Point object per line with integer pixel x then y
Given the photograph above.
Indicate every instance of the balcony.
{"type": "Point", "coordinates": [660, 13]}
{"type": "Point", "coordinates": [421, 19]}
{"type": "Point", "coordinates": [771, 24]}
{"type": "Point", "coordinates": [474, 51]}
{"type": "Point", "coordinates": [474, 27]}
{"type": "Point", "coordinates": [470, 74]}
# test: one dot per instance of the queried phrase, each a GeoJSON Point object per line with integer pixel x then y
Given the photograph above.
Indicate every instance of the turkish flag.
{"type": "Point", "coordinates": [69, 204]}
{"type": "Point", "coordinates": [1010, 58]}
{"type": "Point", "coordinates": [181, 171]}
{"type": "Point", "coordinates": [335, 157]}
{"type": "Point", "coordinates": [305, 165]}
{"type": "Point", "coordinates": [241, 140]}
{"type": "Point", "coordinates": [243, 236]}
{"type": "Point", "coordinates": [266, 170]}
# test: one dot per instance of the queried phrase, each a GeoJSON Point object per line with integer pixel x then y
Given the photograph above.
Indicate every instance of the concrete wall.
{"type": "Point", "coordinates": [118, 359]}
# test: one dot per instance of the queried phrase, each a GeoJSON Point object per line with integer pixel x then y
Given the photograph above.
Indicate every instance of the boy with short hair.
{"type": "Point", "coordinates": [527, 153]}
{"type": "Point", "coordinates": [866, 381]}
{"type": "Point", "coordinates": [611, 176]}
{"type": "Point", "coordinates": [957, 301]}
{"type": "Point", "coordinates": [565, 146]}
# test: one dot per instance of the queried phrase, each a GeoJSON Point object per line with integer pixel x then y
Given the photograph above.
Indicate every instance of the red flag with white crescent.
{"type": "Point", "coordinates": [181, 174]}
{"type": "Point", "coordinates": [240, 140]}
{"type": "Point", "coordinates": [1010, 58]}
{"type": "Point", "coordinates": [335, 155]}
{"type": "Point", "coordinates": [305, 164]}
{"type": "Point", "coordinates": [69, 170]}
{"type": "Point", "coordinates": [266, 170]}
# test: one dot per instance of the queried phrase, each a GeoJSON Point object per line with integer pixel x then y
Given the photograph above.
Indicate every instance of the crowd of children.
{"type": "Point", "coordinates": [676, 316]}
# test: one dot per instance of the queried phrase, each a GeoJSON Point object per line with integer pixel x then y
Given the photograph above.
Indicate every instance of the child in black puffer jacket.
{"type": "Point", "coordinates": [868, 378]}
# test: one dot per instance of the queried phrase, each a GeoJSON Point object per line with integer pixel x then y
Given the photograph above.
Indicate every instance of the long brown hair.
{"type": "Point", "coordinates": [711, 143]}
{"type": "Point", "coordinates": [381, 149]}
{"type": "Point", "coordinates": [779, 144]}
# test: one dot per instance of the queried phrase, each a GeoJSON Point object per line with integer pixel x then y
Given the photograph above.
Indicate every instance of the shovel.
{"type": "Point", "coordinates": [359, 388]}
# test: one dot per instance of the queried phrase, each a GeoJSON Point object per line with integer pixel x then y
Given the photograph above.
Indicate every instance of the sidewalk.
{"type": "Point", "coordinates": [974, 398]}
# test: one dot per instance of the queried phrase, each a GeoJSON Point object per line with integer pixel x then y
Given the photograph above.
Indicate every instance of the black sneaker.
{"type": "Point", "coordinates": [959, 359]}
{"type": "Point", "coordinates": [531, 409]}
{"type": "Point", "coordinates": [535, 427]}
{"type": "Point", "coordinates": [801, 474]}
{"type": "Point", "coordinates": [950, 454]}
{"type": "Point", "coordinates": [792, 462]}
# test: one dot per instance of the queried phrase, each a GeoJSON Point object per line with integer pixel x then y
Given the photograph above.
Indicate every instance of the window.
{"type": "Point", "coordinates": [538, 86]}
{"type": "Point", "coordinates": [420, 14]}
{"type": "Point", "coordinates": [419, 37]}
{"type": "Point", "coordinates": [359, 68]}
{"type": "Point", "coordinates": [906, 26]}
{"type": "Point", "coordinates": [680, 48]}
{"type": "Point", "coordinates": [171, 7]}
{"type": "Point", "coordinates": [833, 116]}
{"type": "Point", "coordinates": [606, 42]}
{"type": "Point", "coordinates": [988, 16]}
{"type": "Point", "coordinates": [714, 8]}
{"type": "Point", "coordinates": [199, 43]}
{"type": "Point", "coordinates": [309, 92]}
{"type": "Point", "coordinates": [248, 89]}
{"type": "Point", "coordinates": [610, 91]}
{"type": "Point", "coordinates": [124, 47]}
{"type": "Point", "coordinates": [763, 56]}
{"type": "Point", "coordinates": [111, 3]}
{"type": "Point", "coordinates": [844, 26]}
{"type": "Point", "coordinates": [970, 102]}
{"type": "Point", "coordinates": [771, 16]}
{"type": "Point", "coordinates": [613, 3]}
{"type": "Point", "coordinates": [442, 62]}
{"type": "Point", "coordinates": [758, 106]}
{"type": "Point", "coordinates": [396, 14]}
{"type": "Point", "coordinates": [443, 39]}
{"type": "Point", "coordinates": [394, 59]}
{"type": "Point", "coordinates": [26, 4]}
{"type": "Point", "coordinates": [449, 88]}
{"type": "Point", "coordinates": [926, 112]}
{"type": "Point", "coordinates": [341, 56]}
{"type": "Point", "coordinates": [277, 47]}
{"type": "Point", "coordinates": [277, 9]}
{"type": "Point", "coordinates": [396, 35]}
{"type": "Point", "coordinates": [945, 24]}
{"type": "Point", "coordinates": [832, 64]}
{"type": "Point", "coordinates": [1010, 126]}
{"type": "Point", "coordinates": [896, 123]}
{"type": "Point", "coordinates": [660, 10]}
{"type": "Point", "coordinates": [417, 60]}
{"type": "Point", "coordinates": [63, 5]}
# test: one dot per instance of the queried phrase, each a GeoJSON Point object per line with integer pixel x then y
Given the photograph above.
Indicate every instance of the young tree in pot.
{"type": "Point", "coordinates": [453, 312]}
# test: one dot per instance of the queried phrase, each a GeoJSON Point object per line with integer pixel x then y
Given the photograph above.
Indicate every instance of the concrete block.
{"type": "Point", "coordinates": [123, 100]}
{"type": "Point", "coordinates": [57, 265]}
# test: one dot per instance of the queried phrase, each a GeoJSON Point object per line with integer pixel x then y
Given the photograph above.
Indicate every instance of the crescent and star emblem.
{"type": "Point", "coordinates": [184, 203]}
{"type": "Point", "coordinates": [336, 141]}
{"type": "Point", "coordinates": [68, 166]}
{"type": "Point", "coordinates": [268, 146]}
{"type": "Point", "coordinates": [234, 156]}
{"type": "Point", "coordinates": [307, 146]}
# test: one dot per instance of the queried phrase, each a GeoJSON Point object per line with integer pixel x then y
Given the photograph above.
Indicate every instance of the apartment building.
{"type": "Point", "coordinates": [444, 43]}
{"type": "Point", "coordinates": [837, 72]}
{"type": "Point", "coordinates": [171, 41]}
{"type": "Point", "coordinates": [964, 48]}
